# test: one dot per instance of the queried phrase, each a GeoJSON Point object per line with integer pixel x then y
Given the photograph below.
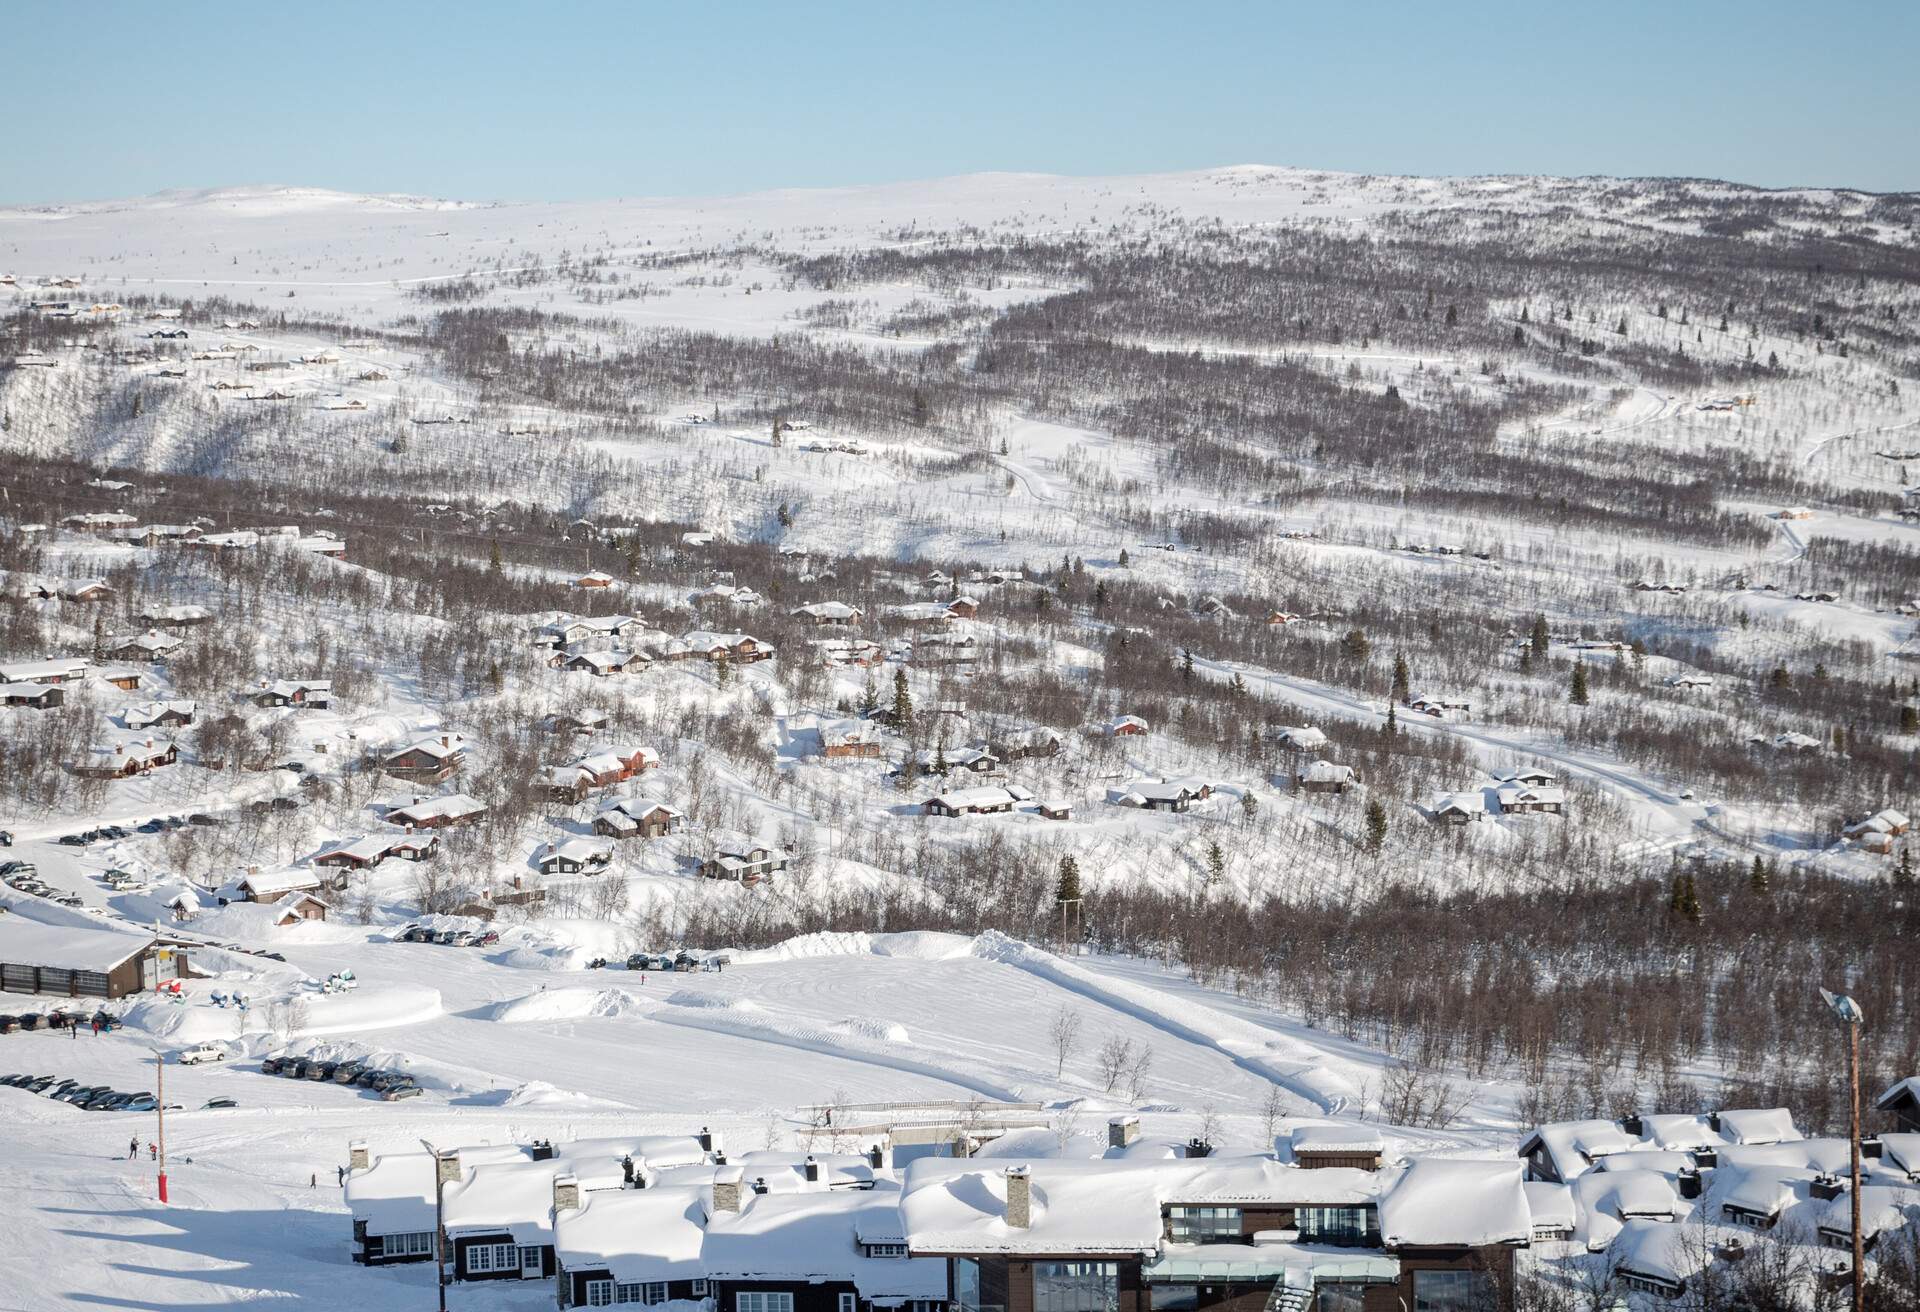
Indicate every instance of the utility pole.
{"type": "Point", "coordinates": [1853, 1018]}
{"type": "Point", "coordinates": [439, 1227]}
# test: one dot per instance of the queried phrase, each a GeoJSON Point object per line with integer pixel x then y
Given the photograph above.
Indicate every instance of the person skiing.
{"type": "Point", "coordinates": [340, 1176]}
{"type": "Point", "coordinates": [133, 1149]}
{"type": "Point", "coordinates": [153, 1152]}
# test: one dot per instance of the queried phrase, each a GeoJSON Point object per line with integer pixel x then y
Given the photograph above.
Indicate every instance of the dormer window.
{"type": "Point", "coordinates": [886, 1250]}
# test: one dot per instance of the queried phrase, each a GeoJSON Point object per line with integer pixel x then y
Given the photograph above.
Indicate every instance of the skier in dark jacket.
{"type": "Point", "coordinates": [133, 1149]}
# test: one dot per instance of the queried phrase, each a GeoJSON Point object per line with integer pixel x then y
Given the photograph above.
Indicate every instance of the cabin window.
{"type": "Point", "coordinates": [599, 1293]}
{"type": "Point", "coordinates": [1202, 1225]}
{"type": "Point", "coordinates": [1173, 1298]}
{"type": "Point", "coordinates": [415, 1244]}
{"type": "Point", "coordinates": [1452, 1291]}
{"type": "Point", "coordinates": [849, 1303]}
{"type": "Point", "coordinates": [699, 1288]}
{"type": "Point", "coordinates": [648, 1292]}
{"type": "Point", "coordinates": [966, 1283]}
{"type": "Point", "coordinates": [886, 1250]}
{"type": "Point", "coordinates": [1076, 1287]}
{"type": "Point", "coordinates": [1640, 1284]}
{"type": "Point", "coordinates": [484, 1258]}
{"type": "Point", "coordinates": [1335, 1225]}
{"type": "Point", "coordinates": [762, 1301]}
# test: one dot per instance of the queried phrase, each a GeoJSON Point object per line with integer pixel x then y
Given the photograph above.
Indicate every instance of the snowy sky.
{"type": "Point", "coordinates": [493, 100]}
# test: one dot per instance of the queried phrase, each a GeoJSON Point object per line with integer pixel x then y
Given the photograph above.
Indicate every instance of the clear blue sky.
{"type": "Point", "coordinates": [488, 100]}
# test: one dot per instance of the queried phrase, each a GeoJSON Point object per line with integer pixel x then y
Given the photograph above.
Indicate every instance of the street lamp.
{"type": "Point", "coordinates": [439, 1230]}
{"type": "Point", "coordinates": [1849, 1013]}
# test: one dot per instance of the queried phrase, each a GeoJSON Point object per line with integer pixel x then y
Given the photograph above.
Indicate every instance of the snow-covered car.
{"type": "Point", "coordinates": [204, 1052]}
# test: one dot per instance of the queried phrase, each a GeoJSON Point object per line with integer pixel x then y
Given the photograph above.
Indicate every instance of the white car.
{"type": "Point", "coordinates": [205, 1052]}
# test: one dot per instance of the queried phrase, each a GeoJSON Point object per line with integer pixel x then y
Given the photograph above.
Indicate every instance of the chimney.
{"type": "Point", "coordinates": [1633, 1125]}
{"type": "Point", "coordinates": [726, 1189]}
{"type": "Point", "coordinates": [877, 1157]}
{"type": "Point", "coordinates": [566, 1194]}
{"type": "Point", "coordinates": [1826, 1188]}
{"type": "Point", "coordinates": [813, 1170]}
{"type": "Point", "coordinates": [1019, 1197]}
{"type": "Point", "coordinates": [1872, 1147]}
{"type": "Point", "coordinates": [1122, 1130]}
{"type": "Point", "coordinates": [705, 1139]}
{"type": "Point", "coordinates": [449, 1167]}
{"type": "Point", "coordinates": [444, 741]}
{"type": "Point", "coordinates": [1690, 1182]}
{"type": "Point", "coordinates": [357, 1158]}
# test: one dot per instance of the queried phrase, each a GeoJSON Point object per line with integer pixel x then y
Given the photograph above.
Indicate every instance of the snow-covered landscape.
{"type": "Point", "coordinates": [1245, 739]}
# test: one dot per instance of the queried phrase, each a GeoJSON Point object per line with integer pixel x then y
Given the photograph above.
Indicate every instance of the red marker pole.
{"type": "Point", "coordinates": [160, 1097]}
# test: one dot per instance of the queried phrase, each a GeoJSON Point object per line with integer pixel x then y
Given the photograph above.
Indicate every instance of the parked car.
{"type": "Point", "coordinates": [30, 1021]}
{"type": "Point", "coordinates": [75, 840]}
{"type": "Point", "coordinates": [463, 938]}
{"type": "Point", "coordinates": [399, 1091]}
{"type": "Point", "coordinates": [205, 818]}
{"type": "Point", "coordinates": [321, 1070]}
{"type": "Point", "coordinates": [347, 1071]}
{"type": "Point", "coordinates": [215, 1104]}
{"type": "Point", "coordinates": [6, 838]}
{"type": "Point", "coordinates": [271, 1065]}
{"type": "Point", "coordinates": [204, 1052]}
{"type": "Point", "coordinates": [140, 1102]}
{"type": "Point", "coordinates": [8, 1024]}
{"type": "Point", "coordinates": [487, 939]}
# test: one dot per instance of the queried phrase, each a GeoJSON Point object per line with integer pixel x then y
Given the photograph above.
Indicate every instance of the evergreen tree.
{"type": "Point", "coordinates": [869, 696]}
{"type": "Point", "coordinates": [1376, 826]}
{"type": "Point", "coordinates": [1123, 558]}
{"type": "Point", "coordinates": [1100, 595]}
{"type": "Point", "coordinates": [1909, 719]}
{"type": "Point", "coordinates": [1773, 360]}
{"type": "Point", "coordinates": [1186, 664]}
{"type": "Point", "coordinates": [1067, 887]}
{"type": "Point", "coordinates": [722, 672]}
{"type": "Point", "coordinates": [1237, 687]}
{"type": "Point", "coordinates": [1622, 326]}
{"type": "Point", "coordinates": [1780, 680]}
{"type": "Point", "coordinates": [779, 424]}
{"type": "Point", "coordinates": [922, 409]}
{"type": "Point", "coordinates": [902, 701]}
{"type": "Point", "coordinates": [784, 515]}
{"type": "Point", "coordinates": [1577, 686]}
{"type": "Point", "coordinates": [493, 558]}
{"type": "Point", "coordinates": [1401, 677]}
{"type": "Point", "coordinates": [1393, 722]}
{"type": "Point", "coordinates": [1903, 873]}
{"type": "Point", "coordinates": [1249, 806]}
{"type": "Point", "coordinates": [1355, 645]}
{"type": "Point", "coordinates": [1453, 316]}
{"type": "Point", "coordinates": [1690, 905]}
{"type": "Point", "coordinates": [1540, 640]}
{"type": "Point", "coordinates": [1760, 880]}
{"type": "Point", "coordinates": [1216, 865]}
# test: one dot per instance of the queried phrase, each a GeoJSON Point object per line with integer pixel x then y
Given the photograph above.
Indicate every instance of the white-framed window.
{"type": "Point", "coordinates": [648, 1292]}
{"type": "Point", "coordinates": [415, 1244]}
{"type": "Point", "coordinates": [530, 1259]}
{"type": "Point", "coordinates": [849, 1303]}
{"type": "Point", "coordinates": [599, 1293]}
{"type": "Point", "coordinates": [886, 1250]}
{"type": "Point", "coordinates": [759, 1300]}
{"type": "Point", "coordinates": [699, 1288]}
{"type": "Point", "coordinates": [483, 1259]}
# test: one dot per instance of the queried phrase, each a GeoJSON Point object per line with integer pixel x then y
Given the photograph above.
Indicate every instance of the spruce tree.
{"type": "Point", "coordinates": [1067, 888]}
{"type": "Point", "coordinates": [493, 558]}
{"type": "Point", "coordinates": [1577, 686]}
{"type": "Point", "coordinates": [1401, 679]}
{"type": "Point", "coordinates": [1186, 664]}
{"type": "Point", "coordinates": [1760, 881]}
{"type": "Point", "coordinates": [1376, 826]}
{"type": "Point", "coordinates": [1540, 641]}
{"type": "Point", "coordinates": [1216, 865]}
{"type": "Point", "coordinates": [1909, 720]}
{"type": "Point", "coordinates": [902, 701]}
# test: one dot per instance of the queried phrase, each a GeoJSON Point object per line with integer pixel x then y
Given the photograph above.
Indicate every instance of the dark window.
{"type": "Point", "coordinates": [1341, 1298]}
{"type": "Point", "coordinates": [1336, 1225]}
{"type": "Point", "coordinates": [1202, 1225]}
{"type": "Point", "coordinates": [1452, 1291]}
{"type": "Point", "coordinates": [1076, 1287]}
{"type": "Point", "coordinates": [1174, 1298]}
{"type": "Point", "coordinates": [966, 1282]}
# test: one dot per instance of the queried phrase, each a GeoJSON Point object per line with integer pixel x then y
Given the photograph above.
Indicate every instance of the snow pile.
{"type": "Point", "coordinates": [919, 945]}
{"type": "Point", "coordinates": [567, 1004]}
{"type": "Point", "coordinates": [369, 1009]}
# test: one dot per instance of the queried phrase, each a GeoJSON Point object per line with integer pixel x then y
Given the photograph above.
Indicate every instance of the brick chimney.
{"type": "Point", "coordinates": [449, 1167]}
{"type": "Point", "coordinates": [566, 1194]}
{"type": "Point", "coordinates": [1019, 1197]}
{"type": "Point", "coordinates": [727, 1184]}
{"type": "Point", "coordinates": [357, 1157]}
{"type": "Point", "coordinates": [1122, 1130]}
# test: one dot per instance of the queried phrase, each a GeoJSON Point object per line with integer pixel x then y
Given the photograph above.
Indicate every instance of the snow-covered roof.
{"type": "Point", "coordinates": [1444, 1201]}
{"type": "Point", "coordinates": [1902, 1151]}
{"type": "Point", "coordinates": [437, 748]}
{"type": "Point", "coordinates": [514, 1198]}
{"type": "Point", "coordinates": [394, 1195]}
{"type": "Point", "coordinates": [1304, 737]}
{"type": "Point", "coordinates": [1907, 1090]}
{"type": "Point", "coordinates": [1573, 1146]}
{"type": "Point", "coordinates": [1326, 772]}
{"type": "Point", "coordinates": [26, 942]}
{"type": "Point", "coordinates": [790, 1236]}
{"type": "Point", "coordinates": [1346, 1138]}
{"type": "Point", "coordinates": [367, 847]}
{"type": "Point", "coordinates": [1606, 1199]}
{"type": "Point", "coordinates": [1550, 1204]}
{"type": "Point", "coordinates": [1680, 1132]}
{"type": "Point", "coordinates": [35, 671]}
{"type": "Point", "coordinates": [961, 799]}
{"type": "Point", "coordinates": [1660, 1249]}
{"type": "Point", "coordinates": [452, 806]}
{"type": "Point", "coordinates": [1882, 1207]}
{"type": "Point", "coordinates": [1758, 1125]}
{"type": "Point", "coordinates": [636, 1234]}
{"type": "Point", "coordinates": [294, 879]}
{"type": "Point", "coordinates": [1764, 1190]}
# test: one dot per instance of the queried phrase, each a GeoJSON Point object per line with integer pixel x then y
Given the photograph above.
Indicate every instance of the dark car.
{"type": "Point", "coordinates": [204, 818]}
{"type": "Point", "coordinates": [140, 1102]}
{"type": "Point", "coordinates": [321, 1070]}
{"type": "Point", "coordinates": [8, 1024]}
{"type": "Point", "coordinates": [30, 1021]}
{"type": "Point", "coordinates": [270, 1065]}
{"type": "Point", "coordinates": [215, 1104]}
{"type": "Point", "coordinates": [347, 1071]}
{"type": "Point", "coordinates": [75, 840]}
{"type": "Point", "coordinates": [115, 831]}
{"type": "Point", "coordinates": [150, 827]}
{"type": "Point", "coordinates": [6, 838]}
{"type": "Point", "coordinates": [369, 1077]}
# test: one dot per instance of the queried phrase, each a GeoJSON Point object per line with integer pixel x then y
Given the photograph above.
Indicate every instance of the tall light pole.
{"type": "Point", "coordinates": [439, 1229]}
{"type": "Point", "coordinates": [1853, 1018]}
